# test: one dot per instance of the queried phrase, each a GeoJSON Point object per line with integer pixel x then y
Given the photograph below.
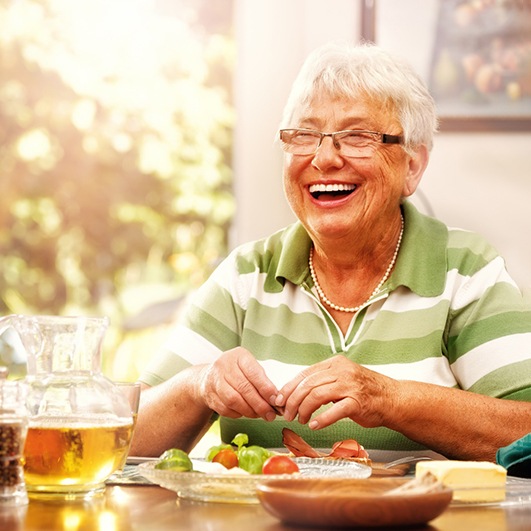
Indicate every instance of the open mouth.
{"type": "Point", "coordinates": [331, 191]}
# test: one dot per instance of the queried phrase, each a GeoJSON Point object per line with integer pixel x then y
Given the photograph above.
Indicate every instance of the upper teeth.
{"type": "Point", "coordinates": [331, 187]}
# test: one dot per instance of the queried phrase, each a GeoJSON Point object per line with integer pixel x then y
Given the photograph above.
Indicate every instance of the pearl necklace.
{"type": "Point", "coordinates": [323, 297]}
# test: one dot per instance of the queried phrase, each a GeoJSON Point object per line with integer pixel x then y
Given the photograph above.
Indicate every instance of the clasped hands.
{"type": "Point", "coordinates": [236, 385]}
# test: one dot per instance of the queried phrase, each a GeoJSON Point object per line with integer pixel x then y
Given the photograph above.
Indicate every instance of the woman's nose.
{"type": "Point", "coordinates": [327, 155]}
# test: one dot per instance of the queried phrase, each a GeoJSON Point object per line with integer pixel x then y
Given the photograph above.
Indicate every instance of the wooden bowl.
{"type": "Point", "coordinates": [342, 502]}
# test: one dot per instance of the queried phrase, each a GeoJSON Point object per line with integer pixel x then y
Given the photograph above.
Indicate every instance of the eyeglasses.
{"type": "Point", "coordinates": [352, 143]}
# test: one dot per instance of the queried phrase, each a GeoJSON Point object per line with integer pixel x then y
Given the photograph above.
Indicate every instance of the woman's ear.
{"type": "Point", "coordinates": [416, 166]}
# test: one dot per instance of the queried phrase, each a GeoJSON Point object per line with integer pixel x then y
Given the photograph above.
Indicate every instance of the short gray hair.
{"type": "Point", "coordinates": [353, 70]}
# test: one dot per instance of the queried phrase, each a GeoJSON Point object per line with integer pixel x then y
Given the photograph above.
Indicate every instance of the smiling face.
{"type": "Point", "coordinates": [340, 198]}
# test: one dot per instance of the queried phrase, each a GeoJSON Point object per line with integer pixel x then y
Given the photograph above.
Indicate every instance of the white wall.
{"type": "Point", "coordinates": [477, 181]}
{"type": "Point", "coordinates": [274, 37]}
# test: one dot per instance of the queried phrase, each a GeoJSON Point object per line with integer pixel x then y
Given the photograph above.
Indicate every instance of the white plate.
{"type": "Point", "coordinates": [228, 487]}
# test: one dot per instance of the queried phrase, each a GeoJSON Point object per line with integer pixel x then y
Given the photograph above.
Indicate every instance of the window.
{"type": "Point", "coordinates": [115, 144]}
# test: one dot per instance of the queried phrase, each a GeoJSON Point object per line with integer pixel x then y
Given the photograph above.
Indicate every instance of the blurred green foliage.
{"type": "Point", "coordinates": [115, 143]}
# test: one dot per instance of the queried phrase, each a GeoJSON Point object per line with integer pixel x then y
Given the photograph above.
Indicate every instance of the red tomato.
{"type": "Point", "coordinates": [227, 458]}
{"type": "Point", "coordinates": [279, 464]}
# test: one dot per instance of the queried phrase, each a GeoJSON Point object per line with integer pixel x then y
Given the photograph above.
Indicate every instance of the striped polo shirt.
{"type": "Point", "coordinates": [449, 314]}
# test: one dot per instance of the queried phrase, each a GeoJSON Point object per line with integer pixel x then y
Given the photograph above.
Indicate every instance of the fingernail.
{"type": "Point", "coordinates": [270, 416]}
{"type": "Point", "coordinates": [313, 425]}
{"type": "Point", "coordinates": [279, 400]}
{"type": "Point", "coordinates": [278, 410]}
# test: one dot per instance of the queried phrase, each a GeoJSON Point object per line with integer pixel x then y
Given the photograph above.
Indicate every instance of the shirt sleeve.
{"type": "Point", "coordinates": [489, 342]}
{"type": "Point", "coordinates": [210, 325]}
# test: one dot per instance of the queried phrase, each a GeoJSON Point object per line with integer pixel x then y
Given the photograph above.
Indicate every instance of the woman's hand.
{"type": "Point", "coordinates": [354, 391]}
{"type": "Point", "coordinates": [236, 385]}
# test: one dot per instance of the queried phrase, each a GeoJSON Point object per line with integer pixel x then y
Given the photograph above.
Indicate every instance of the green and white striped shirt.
{"type": "Point", "coordinates": [449, 314]}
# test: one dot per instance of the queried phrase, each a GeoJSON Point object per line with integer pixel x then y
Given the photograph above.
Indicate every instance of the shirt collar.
{"type": "Point", "coordinates": [420, 266]}
{"type": "Point", "coordinates": [421, 262]}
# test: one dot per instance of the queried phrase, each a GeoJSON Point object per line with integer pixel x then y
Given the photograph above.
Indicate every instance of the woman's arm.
{"type": "Point", "coordinates": [177, 413]}
{"type": "Point", "coordinates": [456, 423]}
{"type": "Point", "coordinates": [459, 424]}
{"type": "Point", "coordinates": [170, 416]}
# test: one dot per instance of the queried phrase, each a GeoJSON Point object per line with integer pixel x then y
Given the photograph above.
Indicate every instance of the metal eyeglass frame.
{"type": "Point", "coordinates": [385, 138]}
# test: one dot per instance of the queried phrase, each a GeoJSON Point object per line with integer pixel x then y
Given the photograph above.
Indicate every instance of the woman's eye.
{"type": "Point", "coordinates": [304, 137]}
{"type": "Point", "coordinates": [355, 137]}
{"type": "Point", "coordinates": [358, 138]}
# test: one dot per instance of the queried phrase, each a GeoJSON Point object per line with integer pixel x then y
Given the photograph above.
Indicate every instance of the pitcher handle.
{"type": "Point", "coordinates": [31, 342]}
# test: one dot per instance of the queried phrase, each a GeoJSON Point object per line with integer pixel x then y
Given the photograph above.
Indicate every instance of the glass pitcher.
{"type": "Point", "coordinates": [80, 424]}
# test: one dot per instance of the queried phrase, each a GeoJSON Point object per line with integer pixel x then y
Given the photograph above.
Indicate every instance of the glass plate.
{"type": "Point", "coordinates": [517, 492]}
{"type": "Point", "coordinates": [229, 487]}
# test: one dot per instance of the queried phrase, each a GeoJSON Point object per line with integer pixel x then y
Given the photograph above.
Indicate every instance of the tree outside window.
{"type": "Point", "coordinates": [115, 143]}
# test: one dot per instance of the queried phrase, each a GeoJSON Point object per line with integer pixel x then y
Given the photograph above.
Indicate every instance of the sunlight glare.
{"type": "Point", "coordinates": [71, 521]}
{"type": "Point", "coordinates": [107, 521]}
{"type": "Point", "coordinates": [103, 31]}
{"type": "Point", "coordinates": [122, 42]}
{"type": "Point", "coordinates": [34, 144]}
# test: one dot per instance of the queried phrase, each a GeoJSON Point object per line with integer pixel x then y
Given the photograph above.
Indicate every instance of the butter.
{"type": "Point", "coordinates": [471, 481]}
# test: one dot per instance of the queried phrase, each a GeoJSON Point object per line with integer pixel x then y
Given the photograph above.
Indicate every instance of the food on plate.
{"type": "Point", "coordinates": [348, 449]}
{"type": "Point", "coordinates": [176, 460]}
{"type": "Point", "coordinates": [297, 445]}
{"type": "Point", "coordinates": [238, 458]}
{"type": "Point", "coordinates": [280, 464]}
{"type": "Point", "coordinates": [252, 458]}
{"type": "Point", "coordinates": [471, 481]}
{"type": "Point", "coordinates": [227, 457]}
{"type": "Point", "coordinates": [248, 458]}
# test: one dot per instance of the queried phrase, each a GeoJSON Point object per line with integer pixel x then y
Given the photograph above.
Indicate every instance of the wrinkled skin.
{"type": "Point", "coordinates": [235, 385]}
{"type": "Point", "coordinates": [354, 392]}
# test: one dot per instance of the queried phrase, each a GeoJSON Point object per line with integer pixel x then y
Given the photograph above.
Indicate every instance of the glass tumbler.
{"type": "Point", "coordinates": [13, 430]}
{"type": "Point", "coordinates": [131, 391]}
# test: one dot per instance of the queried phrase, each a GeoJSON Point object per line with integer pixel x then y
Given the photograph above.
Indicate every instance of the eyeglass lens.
{"type": "Point", "coordinates": [350, 143]}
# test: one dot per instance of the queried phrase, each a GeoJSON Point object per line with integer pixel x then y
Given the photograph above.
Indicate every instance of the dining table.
{"type": "Point", "coordinates": [150, 507]}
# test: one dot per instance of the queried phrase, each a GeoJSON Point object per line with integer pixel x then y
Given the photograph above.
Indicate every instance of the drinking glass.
{"type": "Point", "coordinates": [131, 391]}
{"type": "Point", "coordinates": [13, 430]}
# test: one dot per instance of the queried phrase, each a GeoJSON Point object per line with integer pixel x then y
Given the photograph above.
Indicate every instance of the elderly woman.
{"type": "Point", "coordinates": [365, 319]}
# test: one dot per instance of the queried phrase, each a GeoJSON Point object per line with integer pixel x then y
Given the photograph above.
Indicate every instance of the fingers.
{"type": "Point", "coordinates": [236, 385]}
{"type": "Point", "coordinates": [308, 389]}
{"type": "Point", "coordinates": [289, 388]}
{"type": "Point", "coordinates": [345, 408]}
{"type": "Point", "coordinates": [352, 390]}
{"type": "Point", "coordinates": [242, 395]}
{"type": "Point", "coordinates": [311, 394]}
{"type": "Point", "coordinates": [255, 374]}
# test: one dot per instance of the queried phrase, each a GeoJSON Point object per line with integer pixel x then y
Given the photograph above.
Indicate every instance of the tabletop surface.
{"type": "Point", "coordinates": [150, 507]}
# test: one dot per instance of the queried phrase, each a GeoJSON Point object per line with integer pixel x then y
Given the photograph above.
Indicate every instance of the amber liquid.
{"type": "Point", "coordinates": [126, 453]}
{"type": "Point", "coordinates": [69, 459]}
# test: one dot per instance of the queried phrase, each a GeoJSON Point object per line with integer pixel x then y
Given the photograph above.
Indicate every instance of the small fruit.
{"type": "Point", "coordinates": [252, 458]}
{"type": "Point", "coordinates": [227, 458]}
{"type": "Point", "coordinates": [280, 464]}
{"type": "Point", "coordinates": [176, 460]}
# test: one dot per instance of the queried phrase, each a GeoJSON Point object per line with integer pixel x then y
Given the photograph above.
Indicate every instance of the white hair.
{"type": "Point", "coordinates": [366, 69]}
